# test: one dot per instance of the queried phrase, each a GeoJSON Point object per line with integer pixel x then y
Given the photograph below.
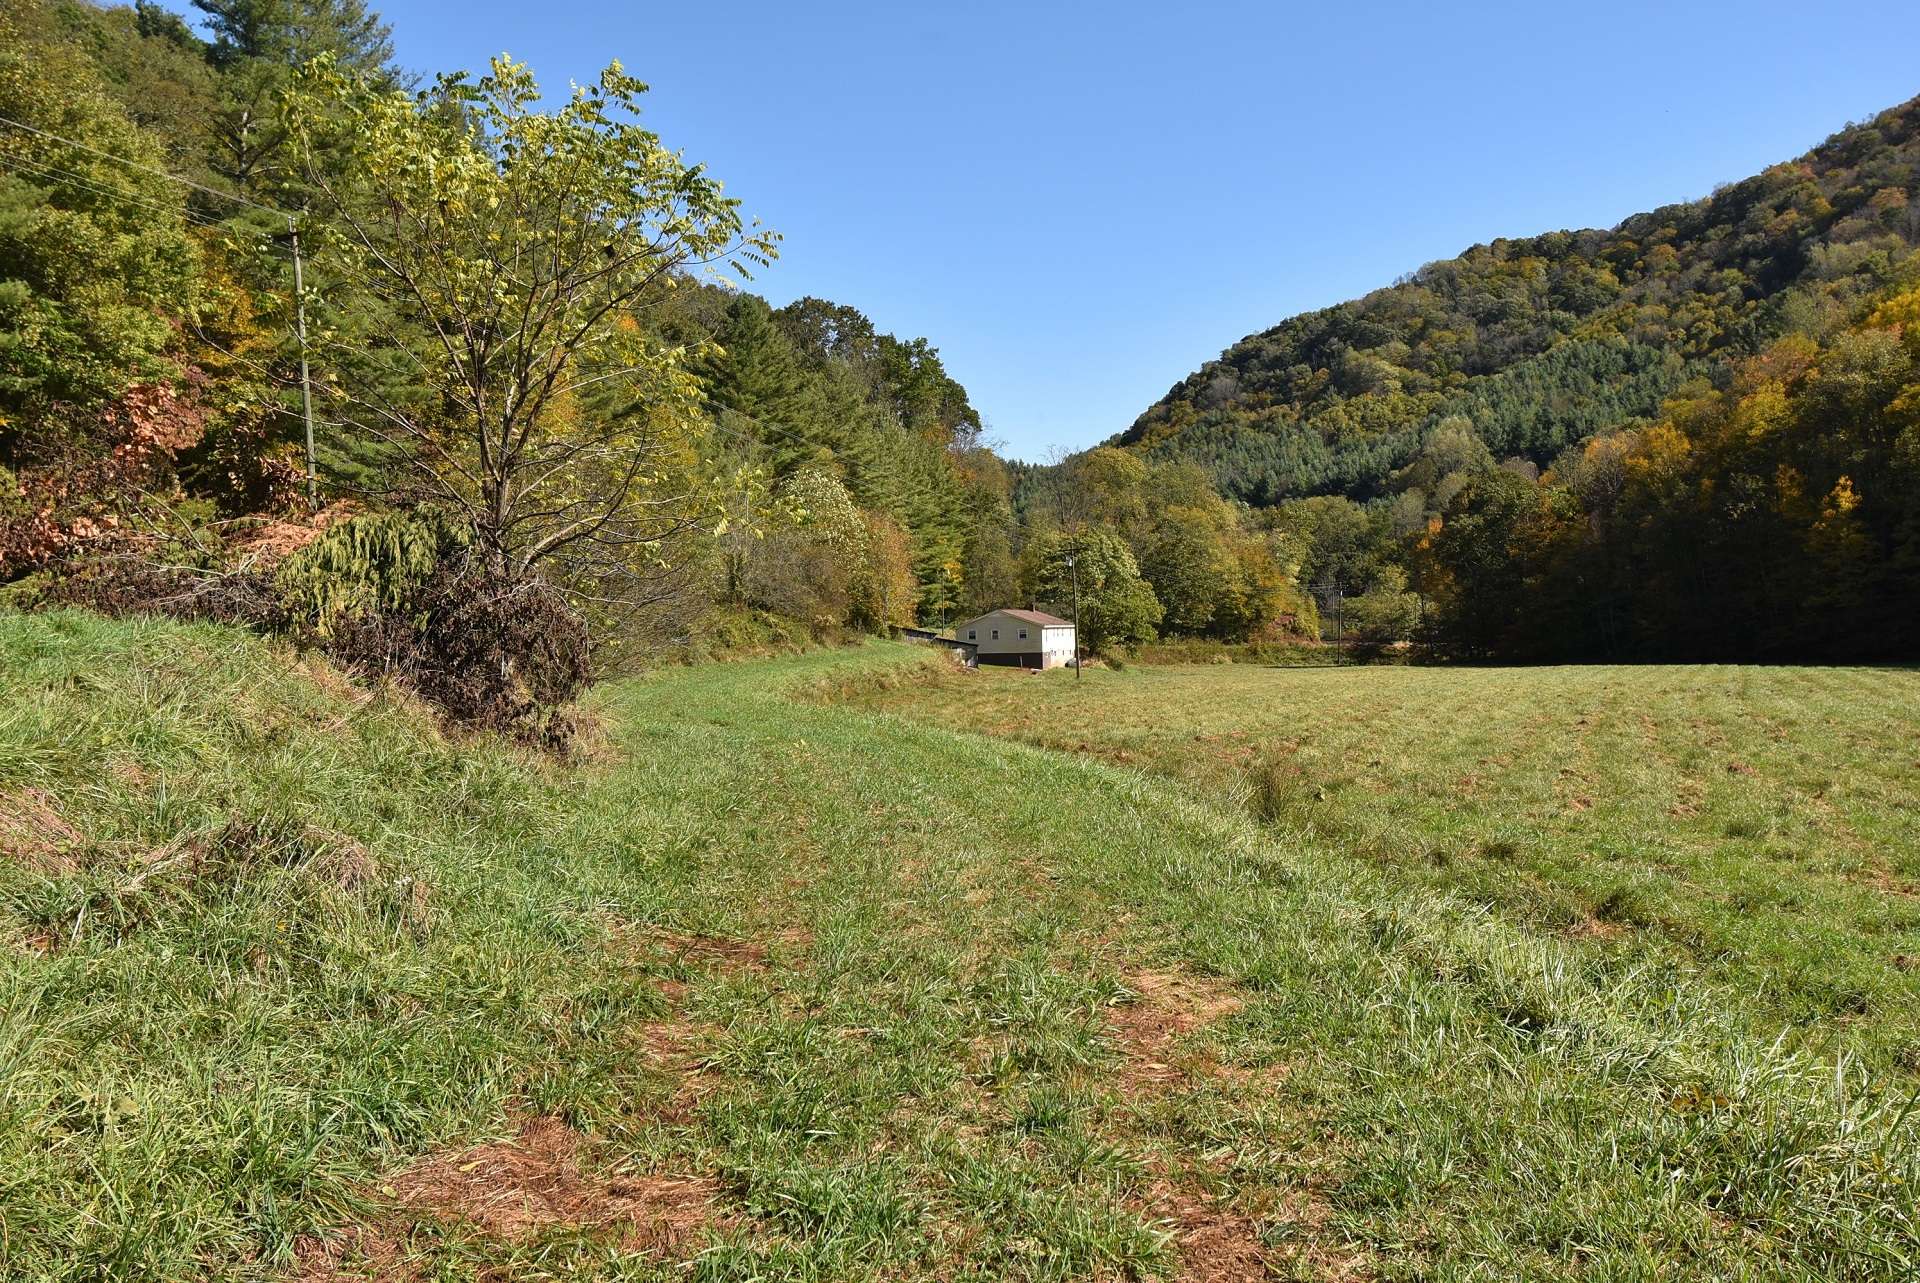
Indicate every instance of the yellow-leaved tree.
{"type": "Point", "coordinates": [479, 268]}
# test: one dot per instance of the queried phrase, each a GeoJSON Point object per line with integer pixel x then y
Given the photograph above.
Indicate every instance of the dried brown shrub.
{"type": "Point", "coordinates": [490, 651]}
{"type": "Point", "coordinates": [486, 650]}
{"type": "Point", "coordinates": [71, 488]}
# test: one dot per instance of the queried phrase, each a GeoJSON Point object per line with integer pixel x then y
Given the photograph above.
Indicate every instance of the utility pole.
{"type": "Point", "coordinates": [1073, 564]}
{"type": "Point", "coordinates": [306, 382]}
{"type": "Point", "coordinates": [293, 230]}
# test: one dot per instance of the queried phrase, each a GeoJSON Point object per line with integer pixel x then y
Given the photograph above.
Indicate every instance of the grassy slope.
{"type": "Point", "coordinates": [224, 1006]}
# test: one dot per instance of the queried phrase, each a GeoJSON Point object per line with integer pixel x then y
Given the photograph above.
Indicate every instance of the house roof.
{"type": "Point", "coordinates": [1040, 617]}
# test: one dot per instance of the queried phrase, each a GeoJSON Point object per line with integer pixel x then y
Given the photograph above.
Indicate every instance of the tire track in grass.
{"type": "Point", "coordinates": [603, 1189]}
{"type": "Point", "coordinates": [1496, 1088]}
{"type": "Point", "coordinates": [548, 1180]}
{"type": "Point", "coordinates": [1001, 907]}
{"type": "Point", "coordinates": [1222, 1228]}
{"type": "Point", "coordinates": [1216, 1242]}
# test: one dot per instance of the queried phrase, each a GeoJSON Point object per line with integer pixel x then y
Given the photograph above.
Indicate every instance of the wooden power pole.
{"type": "Point", "coordinates": [306, 382]}
{"type": "Point", "coordinates": [1073, 564]}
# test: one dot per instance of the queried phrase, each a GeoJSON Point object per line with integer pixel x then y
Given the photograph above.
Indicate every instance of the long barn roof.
{"type": "Point", "coordinates": [1031, 616]}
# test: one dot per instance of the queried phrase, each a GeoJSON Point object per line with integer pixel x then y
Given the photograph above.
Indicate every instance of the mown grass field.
{"type": "Point", "coordinates": [1754, 828]}
{"type": "Point", "coordinates": [775, 987]}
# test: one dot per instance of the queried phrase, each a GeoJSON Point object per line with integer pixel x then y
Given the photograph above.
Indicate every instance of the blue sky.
{"type": "Point", "coordinates": [1080, 203]}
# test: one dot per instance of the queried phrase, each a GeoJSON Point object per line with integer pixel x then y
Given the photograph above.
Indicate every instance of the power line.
{"type": "Point", "coordinates": [293, 230]}
{"type": "Point", "coordinates": [46, 168]}
{"type": "Point", "coordinates": [134, 164]}
{"type": "Point", "coordinates": [53, 173]}
{"type": "Point", "coordinates": [57, 174]}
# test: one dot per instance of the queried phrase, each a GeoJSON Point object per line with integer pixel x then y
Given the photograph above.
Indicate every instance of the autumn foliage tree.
{"type": "Point", "coordinates": [484, 260]}
{"type": "Point", "coordinates": [97, 273]}
{"type": "Point", "coordinates": [884, 589]}
{"type": "Point", "coordinates": [1117, 606]}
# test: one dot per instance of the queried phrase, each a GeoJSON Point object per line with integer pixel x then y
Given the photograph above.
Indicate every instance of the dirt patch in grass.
{"type": "Point", "coordinates": [33, 832]}
{"type": "Point", "coordinates": [514, 1190]}
{"type": "Point", "coordinates": [1309, 1251]}
{"type": "Point", "coordinates": [715, 951]}
{"type": "Point", "coordinates": [1216, 1244]}
{"type": "Point", "coordinates": [673, 1047]}
{"type": "Point", "coordinates": [673, 1044]}
{"type": "Point", "coordinates": [719, 952]}
{"type": "Point", "coordinates": [341, 860]}
{"type": "Point", "coordinates": [1887, 882]}
{"type": "Point", "coordinates": [1593, 927]}
{"type": "Point", "coordinates": [670, 1045]}
{"type": "Point", "coordinates": [1216, 1240]}
{"type": "Point", "coordinates": [1168, 1007]}
{"type": "Point", "coordinates": [354, 1255]}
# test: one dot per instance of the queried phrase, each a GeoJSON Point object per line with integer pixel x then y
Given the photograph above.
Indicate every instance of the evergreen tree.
{"type": "Point", "coordinates": [290, 32]}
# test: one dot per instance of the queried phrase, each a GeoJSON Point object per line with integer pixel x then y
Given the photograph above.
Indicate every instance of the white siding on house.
{"type": "Point", "coordinates": [1056, 645]}
{"type": "Point", "coordinates": [1006, 638]}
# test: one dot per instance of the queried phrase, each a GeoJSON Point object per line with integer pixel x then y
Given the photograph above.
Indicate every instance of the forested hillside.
{"type": "Point", "coordinates": [1543, 341]}
{"type": "Point", "coordinates": [139, 307]}
{"type": "Point", "coordinates": [1694, 436]}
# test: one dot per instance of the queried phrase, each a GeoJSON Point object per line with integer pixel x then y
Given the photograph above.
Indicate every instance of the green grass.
{"type": "Point", "coordinates": [268, 943]}
{"type": "Point", "coordinates": [1752, 828]}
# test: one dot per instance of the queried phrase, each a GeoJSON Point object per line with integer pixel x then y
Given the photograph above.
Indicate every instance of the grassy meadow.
{"type": "Point", "coordinates": [1756, 828]}
{"type": "Point", "coordinates": [811, 968]}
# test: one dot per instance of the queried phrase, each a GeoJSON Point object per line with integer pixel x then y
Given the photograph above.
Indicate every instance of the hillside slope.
{"type": "Point", "coordinates": [293, 988]}
{"type": "Point", "coordinates": [1542, 341]}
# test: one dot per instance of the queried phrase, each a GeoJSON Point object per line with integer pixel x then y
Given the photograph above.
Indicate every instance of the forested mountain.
{"type": "Point", "coordinates": [1543, 341]}
{"type": "Point", "coordinates": [1694, 436]}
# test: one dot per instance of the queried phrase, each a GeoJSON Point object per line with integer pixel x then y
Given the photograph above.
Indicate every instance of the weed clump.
{"type": "Point", "coordinates": [1280, 791]}
{"type": "Point", "coordinates": [115, 894]}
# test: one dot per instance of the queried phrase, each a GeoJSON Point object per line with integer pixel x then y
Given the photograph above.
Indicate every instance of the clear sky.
{"type": "Point", "coordinates": [1080, 203]}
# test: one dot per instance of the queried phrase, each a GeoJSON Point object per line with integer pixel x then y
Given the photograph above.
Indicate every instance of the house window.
{"type": "Point", "coordinates": [1023, 634]}
{"type": "Point", "coordinates": [996, 634]}
{"type": "Point", "coordinates": [972, 636]}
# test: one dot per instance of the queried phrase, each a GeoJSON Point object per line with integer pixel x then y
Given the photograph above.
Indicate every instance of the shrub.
{"type": "Point", "coordinates": [119, 584]}
{"type": "Point", "coordinates": [371, 565]}
{"type": "Point", "coordinates": [486, 649]}
{"type": "Point", "coordinates": [396, 596]}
